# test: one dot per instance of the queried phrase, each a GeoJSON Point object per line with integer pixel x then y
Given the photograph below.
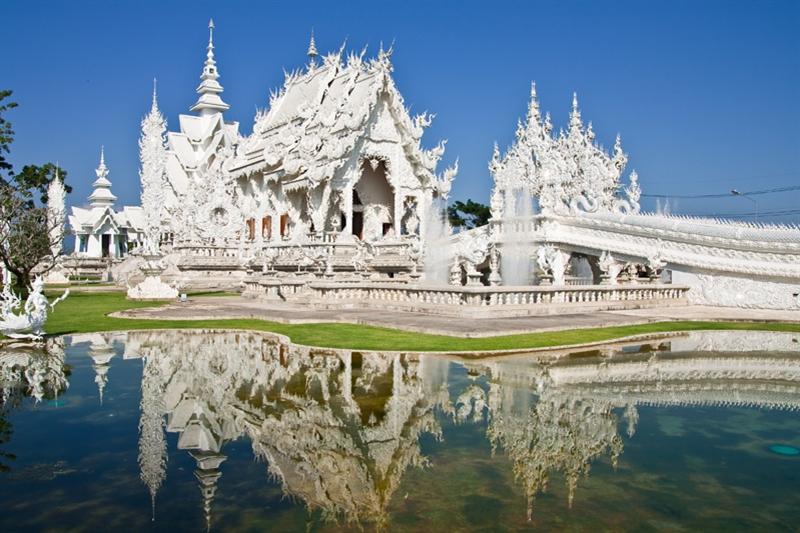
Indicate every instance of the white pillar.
{"type": "Point", "coordinates": [398, 211]}
{"type": "Point", "coordinates": [348, 210]}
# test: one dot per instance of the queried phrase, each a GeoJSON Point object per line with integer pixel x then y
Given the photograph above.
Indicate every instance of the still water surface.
{"type": "Point", "coordinates": [244, 432]}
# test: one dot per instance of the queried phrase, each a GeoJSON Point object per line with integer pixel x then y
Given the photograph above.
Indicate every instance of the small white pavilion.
{"type": "Point", "coordinates": [100, 231]}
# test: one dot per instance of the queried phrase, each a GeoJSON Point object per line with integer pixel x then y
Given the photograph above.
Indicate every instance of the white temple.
{"type": "Point", "coordinates": [333, 200]}
{"type": "Point", "coordinates": [101, 231]}
{"type": "Point", "coordinates": [335, 156]}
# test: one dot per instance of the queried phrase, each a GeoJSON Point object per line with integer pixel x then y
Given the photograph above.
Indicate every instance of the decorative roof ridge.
{"type": "Point", "coordinates": [707, 221]}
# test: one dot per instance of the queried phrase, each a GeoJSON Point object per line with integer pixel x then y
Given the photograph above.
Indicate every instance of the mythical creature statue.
{"type": "Point", "coordinates": [416, 252]}
{"type": "Point", "coordinates": [610, 267]}
{"type": "Point", "coordinates": [29, 323]}
{"type": "Point", "coordinates": [655, 261]}
{"type": "Point", "coordinates": [472, 248]}
{"type": "Point", "coordinates": [552, 262]}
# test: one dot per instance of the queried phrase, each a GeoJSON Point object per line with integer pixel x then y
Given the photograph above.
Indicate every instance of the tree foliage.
{"type": "Point", "coordinates": [25, 235]}
{"type": "Point", "coordinates": [468, 215]}
{"type": "Point", "coordinates": [6, 132]}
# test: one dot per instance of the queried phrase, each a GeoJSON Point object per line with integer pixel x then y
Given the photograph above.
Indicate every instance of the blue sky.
{"type": "Point", "coordinates": [704, 93]}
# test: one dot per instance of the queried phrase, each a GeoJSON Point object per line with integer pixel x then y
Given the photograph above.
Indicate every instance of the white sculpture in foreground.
{"type": "Point", "coordinates": [27, 323]}
{"type": "Point", "coordinates": [152, 154]}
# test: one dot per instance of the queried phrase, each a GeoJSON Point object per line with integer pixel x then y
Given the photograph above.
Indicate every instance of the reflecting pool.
{"type": "Point", "coordinates": [241, 431]}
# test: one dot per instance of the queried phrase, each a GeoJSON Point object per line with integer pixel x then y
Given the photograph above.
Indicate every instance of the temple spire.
{"type": "Point", "coordinates": [207, 474]}
{"type": "Point", "coordinates": [312, 52]}
{"type": "Point", "coordinates": [154, 107]}
{"type": "Point", "coordinates": [534, 115]}
{"type": "Point", "coordinates": [102, 196]}
{"type": "Point", "coordinates": [575, 122]}
{"type": "Point", "coordinates": [209, 90]}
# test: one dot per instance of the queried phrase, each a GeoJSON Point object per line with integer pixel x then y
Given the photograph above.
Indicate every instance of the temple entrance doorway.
{"type": "Point", "coordinates": [105, 245]}
{"type": "Point", "coordinates": [373, 201]}
{"type": "Point", "coordinates": [358, 224]}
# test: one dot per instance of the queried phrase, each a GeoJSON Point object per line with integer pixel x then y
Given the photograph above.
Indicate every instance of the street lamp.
{"type": "Point", "coordinates": [734, 192]}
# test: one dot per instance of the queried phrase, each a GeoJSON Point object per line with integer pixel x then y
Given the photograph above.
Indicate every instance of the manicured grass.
{"type": "Point", "coordinates": [87, 312]}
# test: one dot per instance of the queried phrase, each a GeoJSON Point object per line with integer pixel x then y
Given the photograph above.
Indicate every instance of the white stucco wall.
{"type": "Point", "coordinates": [731, 291]}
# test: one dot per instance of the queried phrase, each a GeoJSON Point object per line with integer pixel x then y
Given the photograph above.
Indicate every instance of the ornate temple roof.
{"type": "Point", "coordinates": [316, 120]}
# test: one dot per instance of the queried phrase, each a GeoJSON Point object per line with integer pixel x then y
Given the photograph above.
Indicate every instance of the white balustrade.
{"type": "Point", "coordinates": [484, 296]}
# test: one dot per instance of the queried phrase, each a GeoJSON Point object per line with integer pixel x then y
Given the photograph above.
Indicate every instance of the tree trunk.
{"type": "Point", "coordinates": [22, 284]}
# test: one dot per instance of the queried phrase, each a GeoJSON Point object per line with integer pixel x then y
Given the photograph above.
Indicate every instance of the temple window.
{"type": "Point", "coordinates": [266, 227]}
{"type": "Point", "coordinates": [251, 229]}
{"type": "Point", "coordinates": [284, 225]}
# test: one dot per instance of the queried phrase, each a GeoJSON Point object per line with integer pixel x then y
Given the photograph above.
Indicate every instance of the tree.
{"type": "Point", "coordinates": [468, 215]}
{"type": "Point", "coordinates": [26, 235]}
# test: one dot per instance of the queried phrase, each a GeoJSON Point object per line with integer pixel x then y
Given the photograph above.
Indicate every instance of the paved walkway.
{"type": "Point", "coordinates": [222, 307]}
{"type": "Point", "coordinates": [699, 312]}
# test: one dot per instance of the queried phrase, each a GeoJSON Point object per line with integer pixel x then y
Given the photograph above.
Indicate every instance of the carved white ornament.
{"type": "Point", "coordinates": [567, 172]}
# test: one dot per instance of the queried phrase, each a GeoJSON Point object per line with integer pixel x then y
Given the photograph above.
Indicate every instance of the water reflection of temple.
{"type": "Point", "coordinates": [32, 369]}
{"type": "Point", "coordinates": [35, 370]}
{"type": "Point", "coordinates": [558, 417]}
{"type": "Point", "coordinates": [338, 429]}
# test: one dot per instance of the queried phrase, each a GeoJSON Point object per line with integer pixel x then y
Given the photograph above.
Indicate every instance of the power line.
{"type": "Point", "coordinates": [782, 212]}
{"type": "Point", "coordinates": [726, 195]}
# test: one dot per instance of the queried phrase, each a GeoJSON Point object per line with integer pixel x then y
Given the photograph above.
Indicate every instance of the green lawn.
{"type": "Point", "coordinates": [87, 312]}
